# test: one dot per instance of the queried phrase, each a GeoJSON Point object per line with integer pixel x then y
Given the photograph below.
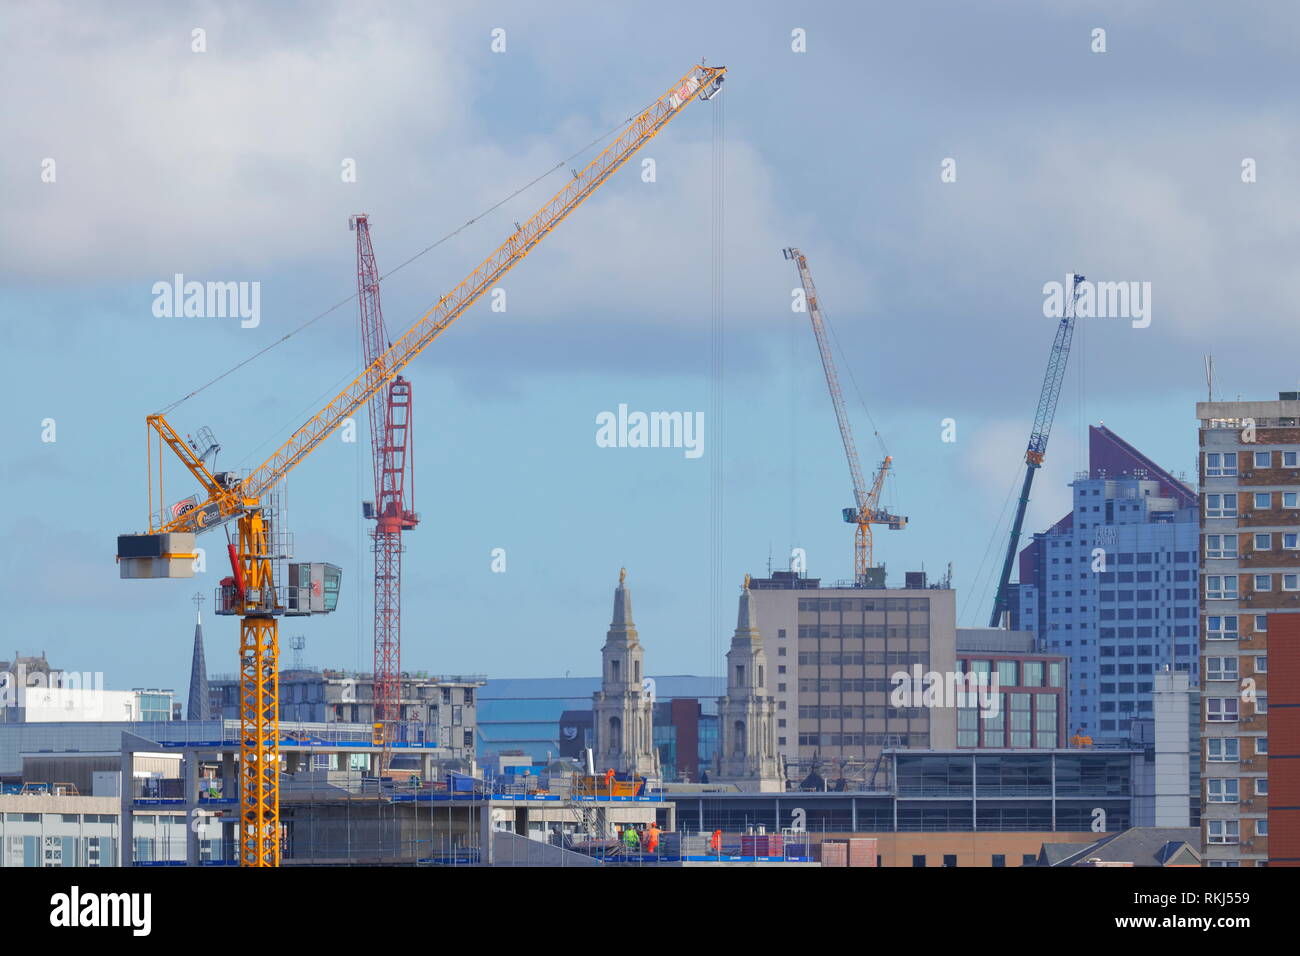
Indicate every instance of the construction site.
{"type": "Point", "coordinates": [390, 777]}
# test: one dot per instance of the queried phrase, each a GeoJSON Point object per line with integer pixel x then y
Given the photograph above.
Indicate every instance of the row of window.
{"type": "Point", "coordinates": [1224, 627]}
{"type": "Point", "coordinates": [1018, 673]}
{"type": "Point", "coordinates": [863, 631]}
{"type": "Point", "coordinates": [1228, 709]}
{"type": "Point", "coordinates": [864, 604]}
{"type": "Point", "coordinates": [858, 658]}
{"type": "Point", "coordinates": [855, 712]}
{"type": "Point", "coordinates": [864, 740]}
{"type": "Point", "coordinates": [1224, 587]}
{"type": "Point", "coordinates": [1225, 505]}
{"type": "Point", "coordinates": [1228, 749]}
{"type": "Point", "coordinates": [1225, 668]}
{"type": "Point", "coordinates": [1140, 577]}
{"type": "Point", "coordinates": [1224, 464]}
{"type": "Point", "coordinates": [1229, 832]}
{"type": "Point", "coordinates": [1225, 545]}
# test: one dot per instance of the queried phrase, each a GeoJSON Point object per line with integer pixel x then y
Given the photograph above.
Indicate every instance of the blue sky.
{"type": "Point", "coordinates": [225, 165]}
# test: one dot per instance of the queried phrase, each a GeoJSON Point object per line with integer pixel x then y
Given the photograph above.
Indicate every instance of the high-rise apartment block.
{"type": "Point", "coordinates": [1112, 586]}
{"type": "Point", "coordinates": [1250, 530]}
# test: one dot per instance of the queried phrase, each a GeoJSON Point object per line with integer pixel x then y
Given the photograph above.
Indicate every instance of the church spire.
{"type": "Point", "coordinates": [746, 618]}
{"type": "Point", "coordinates": [621, 627]}
{"type": "Point", "coordinates": [199, 705]}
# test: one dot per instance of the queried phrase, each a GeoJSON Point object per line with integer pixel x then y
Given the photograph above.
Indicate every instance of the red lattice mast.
{"type": "Point", "coordinates": [393, 507]}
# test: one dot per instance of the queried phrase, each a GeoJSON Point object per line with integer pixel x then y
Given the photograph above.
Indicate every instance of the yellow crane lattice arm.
{"type": "Point", "coordinates": [701, 81]}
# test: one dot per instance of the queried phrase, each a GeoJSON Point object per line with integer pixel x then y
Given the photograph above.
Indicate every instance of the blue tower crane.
{"type": "Point", "coordinates": [1038, 436]}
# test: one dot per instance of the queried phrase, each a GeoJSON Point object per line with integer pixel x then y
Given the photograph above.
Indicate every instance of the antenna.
{"type": "Point", "coordinates": [198, 600]}
{"type": "Point", "coordinates": [296, 644]}
{"type": "Point", "coordinates": [1209, 377]}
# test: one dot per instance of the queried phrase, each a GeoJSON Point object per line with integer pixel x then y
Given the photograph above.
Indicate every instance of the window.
{"type": "Point", "coordinates": [1263, 459]}
{"type": "Point", "coordinates": [1261, 665]}
{"type": "Point", "coordinates": [1222, 749]}
{"type": "Point", "coordinates": [1221, 668]}
{"type": "Point", "coordinates": [1261, 704]}
{"type": "Point", "coordinates": [1289, 459]}
{"type": "Point", "coordinates": [1221, 587]}
{"type": "Point", "coordinates": [1220, 506]}
{"type": "Point", "coordinates": [1261, 826]}
{"type": "Point", "coordinates": [1291, 582]}
{"type": "Point", "coordinates": [1220, 709]}
{"type": "Point", "coordinates": [1224, 831]}
{"type": "Point", "coordinates": [1261, 623]}
{"type": "Point", "coordinates": [1290, 541]}
{"type": "Point", "coordinates": [1028, 859]}
{"type": "Point", "coordinates": [999, 859]}
{"type": "Point", "coordinates": [1290, 499]}
{"type": "Point", "coordinates": [1221, 628]}
{"type": "Point", "coordinates": [1261, 746]}
{"type": "Point", "coordinates": [1263, 582]}
{"type": "Point", "coordinates": [1222, 790]}
{"type": "Point", "coordinates": [1220, 545]}
{"type": "Point", "coordinates": [1263, 542]}
{"type": "Point", "coordinates": [1263, 500]}
{"type": "Point", "coordinates": [1219, 464]}
{"type": "Point", "coordinates": [918, 860]}
{"type": "Point", "coordinates": [1261, 787]}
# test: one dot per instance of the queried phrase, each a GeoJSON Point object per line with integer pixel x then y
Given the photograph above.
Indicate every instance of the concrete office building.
{"type": "Point", "coordinates": [1250, 525]}
{"type": "Point", "coordinates": [439, 711]}
{"type": "Point", "coordinates": [1112, 586]}
{"type": "Point", "coordinates": [833, 651]}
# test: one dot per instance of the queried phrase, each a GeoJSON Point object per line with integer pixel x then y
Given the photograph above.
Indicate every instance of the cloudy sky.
{"type": "Point", "coordinates": [224, 165]}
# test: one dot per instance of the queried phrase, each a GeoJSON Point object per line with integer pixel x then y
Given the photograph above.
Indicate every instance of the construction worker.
{"type": "Point", "coordinates": [715, 842]}
{"type": "Point", "coordinates": [652, 838]}
{"type": "Point", "coordinates": [609, 780]}
{"type": "Point", "coordinates": [630, 840]}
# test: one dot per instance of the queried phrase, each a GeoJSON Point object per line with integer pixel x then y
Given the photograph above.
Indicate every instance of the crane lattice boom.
{"type": "Point", "coordinates": [867, 511]}
{"type": "Point", "coordinates": [704, 81]}
{"type": "Point", "coordinates": [1038, 435]}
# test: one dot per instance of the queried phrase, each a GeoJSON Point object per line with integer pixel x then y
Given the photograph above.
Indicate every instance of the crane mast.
{"type": "Point", "coordinates": [867, 511]}
{"type": "Point", "coordinates": [1038, 435]}
{"type": "Point", "coordinates": [167, 548]}
{"type": "Point", "coordinates": [392, 509]}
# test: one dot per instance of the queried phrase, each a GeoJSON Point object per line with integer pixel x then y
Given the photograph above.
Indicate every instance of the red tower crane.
{"type": "Point", "coordinates": [392, 509]}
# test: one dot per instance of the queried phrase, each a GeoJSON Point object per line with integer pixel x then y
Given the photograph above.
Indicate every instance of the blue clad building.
{"type": "Point", "coordinates": [1113, 586]}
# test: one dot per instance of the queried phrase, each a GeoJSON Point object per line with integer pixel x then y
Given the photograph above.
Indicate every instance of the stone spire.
{"type": "Point", "coordinates": [746, 619]}
{"type": "Point", "coordinates": [623, 712]}
{"type": "Point", "coordinates": [622, 624]}
{"type": "Point", "coordinates": [747, 753]}
{"type": "Point", "coordinates": [199, 704]}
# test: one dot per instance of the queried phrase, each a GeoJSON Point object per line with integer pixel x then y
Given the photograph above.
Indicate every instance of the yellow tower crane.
{"type": "Point", "coordinates": [868, 510]}
{"type": "Point", "coordinates": [167, 549]}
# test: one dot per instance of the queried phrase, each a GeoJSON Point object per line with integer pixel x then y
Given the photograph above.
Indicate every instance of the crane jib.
{"type": "Point", "coordinates": [702, 80]}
